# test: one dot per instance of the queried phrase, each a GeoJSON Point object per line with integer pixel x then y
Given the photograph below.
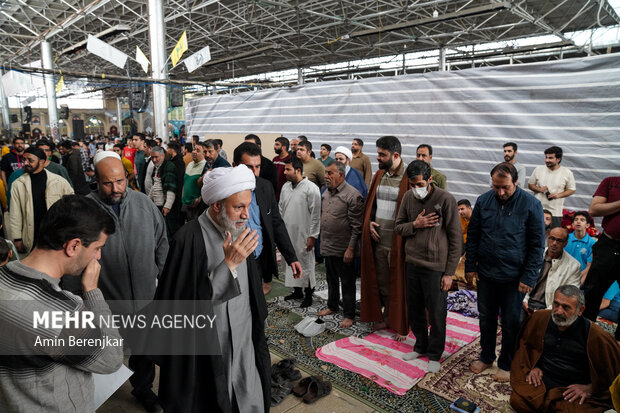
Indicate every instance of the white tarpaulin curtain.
{"type": "Point", "coordinates": [465, 115]}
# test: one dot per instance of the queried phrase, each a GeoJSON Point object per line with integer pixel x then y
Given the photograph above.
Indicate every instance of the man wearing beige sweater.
{"type": "Point", "coordinates": [428, 220]}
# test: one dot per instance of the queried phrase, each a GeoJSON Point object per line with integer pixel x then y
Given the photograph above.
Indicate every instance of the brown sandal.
{"type": "Point", "coordinates": [301, 388]}
{"type": "Point", "coordinates": [317, 389]}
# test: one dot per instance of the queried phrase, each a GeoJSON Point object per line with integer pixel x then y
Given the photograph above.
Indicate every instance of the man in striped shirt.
{"type": "Point", "coordinates": [382, 260]}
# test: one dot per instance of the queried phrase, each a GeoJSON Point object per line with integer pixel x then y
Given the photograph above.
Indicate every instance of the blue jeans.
{"type": "Point", "coordinates": [495, 298]}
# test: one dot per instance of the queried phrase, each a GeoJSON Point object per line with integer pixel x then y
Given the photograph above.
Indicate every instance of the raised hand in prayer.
{"type": "Point", "coordinates": [425, 221]}
{"type": "Point", "coordinates": [534, 377]}
{"type": "Point", "coordinates": [579, 392]}
{"type": "Point", "coordinates": [237, 251]}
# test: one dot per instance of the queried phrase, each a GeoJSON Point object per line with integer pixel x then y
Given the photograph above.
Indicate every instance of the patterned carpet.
{"type": "Point", "coordinates": [455, 380]}
{"type": "Point", "coordinates": [286, 342]}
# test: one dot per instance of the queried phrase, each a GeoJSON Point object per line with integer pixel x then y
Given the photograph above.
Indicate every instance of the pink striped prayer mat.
{"type": "Point", "coordinates": [378, 356]}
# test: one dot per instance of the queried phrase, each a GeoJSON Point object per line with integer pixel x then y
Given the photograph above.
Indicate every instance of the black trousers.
{"type": "Point", "coordinates": [144, 373]}
{"type": "Point", "coordinates": [424, 293]}
{"type": "Point", "coordinates": [340, 274]}
{"type": "Point", "coordinates": [604, 271]}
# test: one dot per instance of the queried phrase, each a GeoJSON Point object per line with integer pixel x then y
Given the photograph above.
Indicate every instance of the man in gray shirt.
{"type": "Point", "coordinates": [40, 369]}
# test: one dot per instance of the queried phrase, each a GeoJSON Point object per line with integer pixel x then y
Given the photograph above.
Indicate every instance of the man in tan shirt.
{"type": "Point", "coordinates": [313, 168]}
{"type": "Point", "coordinates": [361, 161]}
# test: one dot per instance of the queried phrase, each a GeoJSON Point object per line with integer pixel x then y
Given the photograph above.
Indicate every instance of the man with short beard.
{"type": "Point", "coordinates": [13, 160]}
{"type": "Point", "coordinates": [212, 259]}
{"type": "Point", "coordinates": [383, 264]}
{"type": "Point", "coordinates": [31, 196]}
{"type": "Point", "coordinates": [280, 147]}
{"type": "Point", "coordinates": [564, 362]}
{"type": "Point", "coordinates": [510, 156]}
{"type": "Point", "coordinates": [132, 258]}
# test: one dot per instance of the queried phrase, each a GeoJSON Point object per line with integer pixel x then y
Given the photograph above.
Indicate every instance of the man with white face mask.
{"type": "Point", "coordinates": [428, 220]}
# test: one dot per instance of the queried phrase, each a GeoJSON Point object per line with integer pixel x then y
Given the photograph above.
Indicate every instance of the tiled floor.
{"type": "Point", "coordinates": [336, 402]}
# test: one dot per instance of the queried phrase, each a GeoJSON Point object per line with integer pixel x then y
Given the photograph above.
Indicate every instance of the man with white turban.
{"type": "Point", "coordinates": [213, 261]}
{"type": "Point", "coordinates": [352, 175]}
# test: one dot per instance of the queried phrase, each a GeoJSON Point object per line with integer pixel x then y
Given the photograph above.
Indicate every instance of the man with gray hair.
{"type": "Point", "coordinates": [162, 188]}
{"type": "Point", "coordinates": [352, 175]}
{"type": "Point", "coordinates": [564, 362]}
{"type": "Point", "coordinates": [212, 260]}
{"type": "Point", "coordinates": [212, 155]}
{"type": "Point", "coordinates": [341, 226]}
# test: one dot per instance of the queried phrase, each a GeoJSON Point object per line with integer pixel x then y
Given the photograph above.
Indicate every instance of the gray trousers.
{"type": "Point", "coordinates": [424, 293]}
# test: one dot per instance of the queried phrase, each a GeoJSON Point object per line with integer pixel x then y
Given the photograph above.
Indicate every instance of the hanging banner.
{"type": "Point", "coordinates": [106, 52]}
{"type": "Point", "coordinates": [198, 59]}
{"type": "Point", "coordinates": [179, 49]}
{"type": "Point", "coordinates": [60, 85]}
{"type": "Point", "coordinates": [142, 59]}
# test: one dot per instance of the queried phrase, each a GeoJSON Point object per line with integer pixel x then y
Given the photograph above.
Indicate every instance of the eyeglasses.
{"type": "Point", "coordinates": [558, 240]}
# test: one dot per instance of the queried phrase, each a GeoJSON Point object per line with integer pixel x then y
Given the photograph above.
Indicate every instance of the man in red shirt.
{"type": "Point", "coordinates": [605, 267]}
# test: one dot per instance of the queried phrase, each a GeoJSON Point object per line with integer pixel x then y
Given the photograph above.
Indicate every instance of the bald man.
{"type": "Point", "coordinates": [132, 258]}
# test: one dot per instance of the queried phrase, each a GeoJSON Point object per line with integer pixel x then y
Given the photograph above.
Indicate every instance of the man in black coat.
{"type": "Point", "coordinates": [72, 161]}
{"type": "Point", "coordinates": [268, 170]}
{"type": "Point", "coordinates": [198, 267]}
{"type": "Point", "coordinates": [272, 228]}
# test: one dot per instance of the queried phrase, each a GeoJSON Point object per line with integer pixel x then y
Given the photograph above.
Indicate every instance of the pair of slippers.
{"type": "Point", "coordinates": [283, 374]}
{"type": "Point", "coordinates": [312, 388]}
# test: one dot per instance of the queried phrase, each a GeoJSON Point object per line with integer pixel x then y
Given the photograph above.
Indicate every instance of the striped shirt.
{"type": "Point", "coordinates": [47, 375]}
{"type": "Point", "coordinates": [386, 199]}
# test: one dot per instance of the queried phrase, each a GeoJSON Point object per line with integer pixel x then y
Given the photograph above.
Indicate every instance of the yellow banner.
{"type": "Point", "coordinates": [60, 85]}
{"type": "Point", "coordinates": [179, 49]}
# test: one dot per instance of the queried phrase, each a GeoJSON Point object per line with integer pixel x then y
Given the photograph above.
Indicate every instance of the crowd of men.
{"type": "Point", "coordinates": [178, 222]}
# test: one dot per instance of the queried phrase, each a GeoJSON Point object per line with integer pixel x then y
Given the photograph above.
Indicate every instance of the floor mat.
{"type": "Point", "coordinates": [455, 380]}
{"type": "Point", "coordinates": [286, 342]}
{"type": "Point", "coordinates": [378, 356]}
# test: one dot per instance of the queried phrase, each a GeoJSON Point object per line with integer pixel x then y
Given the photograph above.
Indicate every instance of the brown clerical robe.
{"type": "Point", "coordinates": [603, 352]}
{"type": "Point", "coordinates": [370, 301]}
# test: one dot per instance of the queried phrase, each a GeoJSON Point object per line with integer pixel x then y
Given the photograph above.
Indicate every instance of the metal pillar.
{"type": "Point", "coordinates": [300, 76]}
{"type": "Point", "coordinates": [442, 59]}
{"type": "Point", "coordinates": [157, 42]}
{"type": "Point", "coordinates": [50, 90]}
{"type": "Point", "coordinates": [119, 113]}
{"type": "Point", "coordinates": [6, 114]}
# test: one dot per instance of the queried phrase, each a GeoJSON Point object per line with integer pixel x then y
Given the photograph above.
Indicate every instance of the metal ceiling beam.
{"type": "Point", "coordinates": [474, 11]}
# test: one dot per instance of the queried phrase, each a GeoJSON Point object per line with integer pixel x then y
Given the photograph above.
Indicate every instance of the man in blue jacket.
{"type": "Point", "coordinates": [505, 244]}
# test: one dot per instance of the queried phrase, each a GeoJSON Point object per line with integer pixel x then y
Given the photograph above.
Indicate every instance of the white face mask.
{"type": "Point", "coordinates": [420, 193]}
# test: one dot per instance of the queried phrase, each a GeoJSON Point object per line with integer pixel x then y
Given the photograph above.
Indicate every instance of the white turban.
{"type": "Point", "coordinates": [345, 151]}
{"type": "Point", "coordinates": [104, 154]}
{"type": "Point", "coordinates": [220, 183]}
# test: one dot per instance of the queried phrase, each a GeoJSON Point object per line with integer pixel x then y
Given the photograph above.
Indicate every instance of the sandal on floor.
{"type": "Point", "coordinates": [301, 388]}
{"type": "Point", "coordinates": [279, 392]}
{"type": "Point", "coordinates": [284, 364]}
{"type": "Point", "coordinates": [316, 390]}
{"type": "Point", "coordinates": [282, 376]}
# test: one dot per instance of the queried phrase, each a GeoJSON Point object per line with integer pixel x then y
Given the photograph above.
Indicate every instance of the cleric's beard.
{"type": "Point", "coordinates": [230, 225]}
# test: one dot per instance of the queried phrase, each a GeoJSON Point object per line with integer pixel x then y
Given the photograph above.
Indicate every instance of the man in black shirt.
{"type": "Point", "coordinates": [13, 160]}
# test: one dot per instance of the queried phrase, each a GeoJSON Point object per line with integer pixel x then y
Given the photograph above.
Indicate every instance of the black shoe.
{"type": "Point", "coordinates": [296, 295]}
{"type": "Point", "coordinates": [149, 400]}
{"type": "Point", "coordinates": [307, 302]}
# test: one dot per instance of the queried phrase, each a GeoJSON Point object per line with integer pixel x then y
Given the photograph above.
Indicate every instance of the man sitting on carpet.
{"type": "Point", "coordinates": [559, 268]}
{"type": "Point", "coordinates": [564, 362]}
